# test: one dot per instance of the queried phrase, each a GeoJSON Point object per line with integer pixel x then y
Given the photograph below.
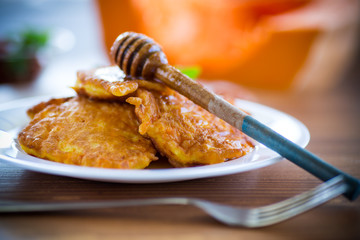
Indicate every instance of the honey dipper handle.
{"type": "Point", "coordinates": [253, 128]}
{"type": "Point", "coordinates": [200, 95]}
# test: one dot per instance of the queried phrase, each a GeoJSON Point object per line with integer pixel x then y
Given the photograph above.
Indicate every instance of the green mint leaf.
{"type": "Point", "coordinates": [192, 72]}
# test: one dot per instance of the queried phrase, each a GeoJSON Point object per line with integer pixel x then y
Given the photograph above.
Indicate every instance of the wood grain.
{"type": "Point", "coordinates": [333, 119]}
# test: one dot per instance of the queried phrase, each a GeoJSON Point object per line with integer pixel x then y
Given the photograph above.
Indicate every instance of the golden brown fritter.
{"type": "Point", "coordinates": [109, 83]}
{"type": "Point", "coordinates": [86, 132]}
{"type": "Point", "coordinates": [184, 132]}
{"type": "Point", "coordinates": [97, 133]}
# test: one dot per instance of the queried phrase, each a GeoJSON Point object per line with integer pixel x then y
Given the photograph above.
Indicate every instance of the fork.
{"type": "Point", "coordinates": [229, 215]}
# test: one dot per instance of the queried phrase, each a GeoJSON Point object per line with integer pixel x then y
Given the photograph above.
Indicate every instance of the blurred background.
{"type": "Point", "coordinates": [280, 45]}
{"type": "Point", "coordinates": [73, 41]}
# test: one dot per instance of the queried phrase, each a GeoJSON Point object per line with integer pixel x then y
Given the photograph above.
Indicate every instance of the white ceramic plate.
{"type": "Point", "coordinates": [13, 118]}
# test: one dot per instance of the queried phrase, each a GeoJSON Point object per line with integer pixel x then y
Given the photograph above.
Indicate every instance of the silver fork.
{"type": "Point", "coordinates": [230, 215]}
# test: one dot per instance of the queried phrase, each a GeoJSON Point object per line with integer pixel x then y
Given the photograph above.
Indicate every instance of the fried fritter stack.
{"type": "Point", "coordinates": [120, 123]}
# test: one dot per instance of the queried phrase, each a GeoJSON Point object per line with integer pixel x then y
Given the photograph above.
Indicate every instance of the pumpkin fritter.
{"type": "Point", "coordinates": [100, 129]}
{"type": "Point", "coordinates": [184, 132]}
{"type": "Point", "coordinates": [109, 83]}
{"type": "Point", "coordinates": [86, 132]}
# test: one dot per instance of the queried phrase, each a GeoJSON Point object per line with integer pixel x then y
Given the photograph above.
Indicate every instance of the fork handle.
{"type": "Point", "coordinates": [299, 156]}
{"type": "Point", "coordinates": [13, 206]}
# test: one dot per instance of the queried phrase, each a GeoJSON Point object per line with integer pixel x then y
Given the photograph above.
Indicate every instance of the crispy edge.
{"type": "Point", "coordinates": [31, 112]}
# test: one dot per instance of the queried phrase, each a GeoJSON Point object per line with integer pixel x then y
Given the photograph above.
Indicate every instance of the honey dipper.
{"type": "Point", "coordinates": [140, 57]}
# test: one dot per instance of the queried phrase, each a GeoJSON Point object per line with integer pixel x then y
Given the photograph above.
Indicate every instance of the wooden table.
{"type": "Point", "coordinates": [333, 119]}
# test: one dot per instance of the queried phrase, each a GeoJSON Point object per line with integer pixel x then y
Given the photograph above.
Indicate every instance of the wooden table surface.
{"type": "Point", "coordinates": [333, 119]}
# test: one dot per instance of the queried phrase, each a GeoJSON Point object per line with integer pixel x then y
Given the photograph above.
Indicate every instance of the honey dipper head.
{"type": "Point", "coordinates": [137, 55]}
